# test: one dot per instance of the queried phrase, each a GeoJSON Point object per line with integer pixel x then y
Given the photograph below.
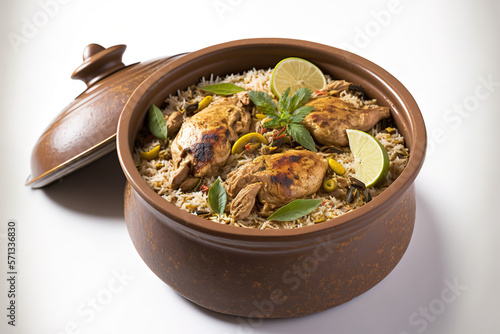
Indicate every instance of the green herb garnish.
{"type": "Point", "coordinates": [295, 210]}
{"type": "Point", "coordinates": [223, 89]}
{"type": "Point", "coordinates": [301, 135]}
{"type": "Point", "coordinates": [290, 113]}
{"type": "Point", "coordinates": [156, 123]}
{"type": "Point", "coordinates": [217, 197]}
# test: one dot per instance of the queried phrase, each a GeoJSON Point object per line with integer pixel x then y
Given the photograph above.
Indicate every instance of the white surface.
{"type": "Point", "coordinates": [72, 236]}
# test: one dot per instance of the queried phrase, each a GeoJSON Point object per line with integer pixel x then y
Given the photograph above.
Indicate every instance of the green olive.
{"type": "Point", "coordinates": [329, 185]}
{"type": "Point", "coordinates": [204, 103]}
{"type": "Point", "coordinates": [153, 153]}
{"type": "Point", "coordinates": [336, 166]}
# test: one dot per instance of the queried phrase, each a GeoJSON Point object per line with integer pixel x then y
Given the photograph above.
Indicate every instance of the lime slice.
{"type": "Point", "coordinates": [253, 139]}
{"type": "Point", "coordinates": [296, 73]}
{"type": "Point", "coordinates": [370, 157]}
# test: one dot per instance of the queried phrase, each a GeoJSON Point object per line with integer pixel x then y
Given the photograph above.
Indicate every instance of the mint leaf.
{"type": "Point", "coordinates": [295, 210]}
{"type": "Point", "coordinates": [217, 197]}
{"type": "Point", "coordinates": [301, 135]}
{"type": "Point", "coordinates": [284, 101]}
{"type": "Point", "coordinates": [300, 98]}
{"type": "Point", "coordinates": [299, 114]}
{"type": "Point", "coordinates": [264, 102]}
{"type": "Point", "coordinates": [156, 123]}
{"type": "Point", "coordinates": [223, 89]}
{"type": "Point", "coordinates": [274, 123]}
{"type": "Point", "coordinates": [292, 112]}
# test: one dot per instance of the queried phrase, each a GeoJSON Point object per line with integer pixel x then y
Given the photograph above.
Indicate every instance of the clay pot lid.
{"type": "Point", "coordinates": [85, 130]}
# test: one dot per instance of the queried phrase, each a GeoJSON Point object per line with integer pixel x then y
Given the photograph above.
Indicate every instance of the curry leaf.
{"type": "Point", "coordinates": [295, 210]}
{"type": "Point", "coordinates": [223, 89]}
{"type": "Point", "coordinates": [300, 98]}
{"type": "Point", "coordinates": [264, 102]}
{"type": "Point", "coordinates": [301, 135]}
{"type": "Point", "coordinates": [301, 113]}
{"type": "Point", "coordinates": [217, 197]}
{"type": "Point", "coordinates": [156, 123]}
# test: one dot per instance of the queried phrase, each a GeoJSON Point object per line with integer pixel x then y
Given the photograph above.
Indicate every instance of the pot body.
{"type": "Point", "coordinates": [271, 273]}
{"type": "Point", "coordinates": [268, 279]}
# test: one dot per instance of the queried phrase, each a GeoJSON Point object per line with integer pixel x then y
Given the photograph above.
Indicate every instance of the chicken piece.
{"type": "Point", "coordinates": [204, 141]}
{"type": "Point", "coordinates": [243, 203]}
{"type": "Point", "coordinates": [332, 116]}
{"type": "Point", "coordinates": [284, 176]}
{"type": "Point", "coordinates": [336, 86]}
{"type": "Point", "coordinates": [174, 122]}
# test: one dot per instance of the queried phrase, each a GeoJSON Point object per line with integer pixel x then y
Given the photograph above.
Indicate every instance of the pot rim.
{"type": "Point", "coordinates": [353, 219]}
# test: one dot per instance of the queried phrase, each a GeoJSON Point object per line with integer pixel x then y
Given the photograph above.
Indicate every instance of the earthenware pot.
{"type": "Point", "coordinates": [271, 273]}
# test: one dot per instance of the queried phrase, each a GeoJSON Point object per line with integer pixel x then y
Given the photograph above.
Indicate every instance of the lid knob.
{"type": "Point", "coordinates": [98, 63]}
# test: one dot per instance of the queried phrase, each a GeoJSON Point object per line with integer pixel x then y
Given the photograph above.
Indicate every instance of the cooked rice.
{"type": "Point", "coordinates": [156, 172]}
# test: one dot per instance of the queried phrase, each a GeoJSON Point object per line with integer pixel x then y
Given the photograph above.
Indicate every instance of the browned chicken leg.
{"type": "Point", "coordinates": [332, 116]}
{"type": "Point", "coordinates": [204, 141]}
{"type": "Point", "coordinates": [276, 180]}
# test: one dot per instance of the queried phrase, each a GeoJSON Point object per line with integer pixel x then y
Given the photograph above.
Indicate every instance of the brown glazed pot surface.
{"type": "Point", "coordinates": [86, 129]}
{"type": "Point", "coordinates": [271, 273]}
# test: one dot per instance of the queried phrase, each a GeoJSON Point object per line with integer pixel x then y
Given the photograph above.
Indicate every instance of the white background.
{"type": "Point", "coordinates": [72, 237]}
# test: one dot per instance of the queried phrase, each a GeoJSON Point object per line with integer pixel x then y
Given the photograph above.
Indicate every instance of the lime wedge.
{"type": "Point", "coordinates": [370, 157]}
{"type": "Point", "coordinates": [296, 73]}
